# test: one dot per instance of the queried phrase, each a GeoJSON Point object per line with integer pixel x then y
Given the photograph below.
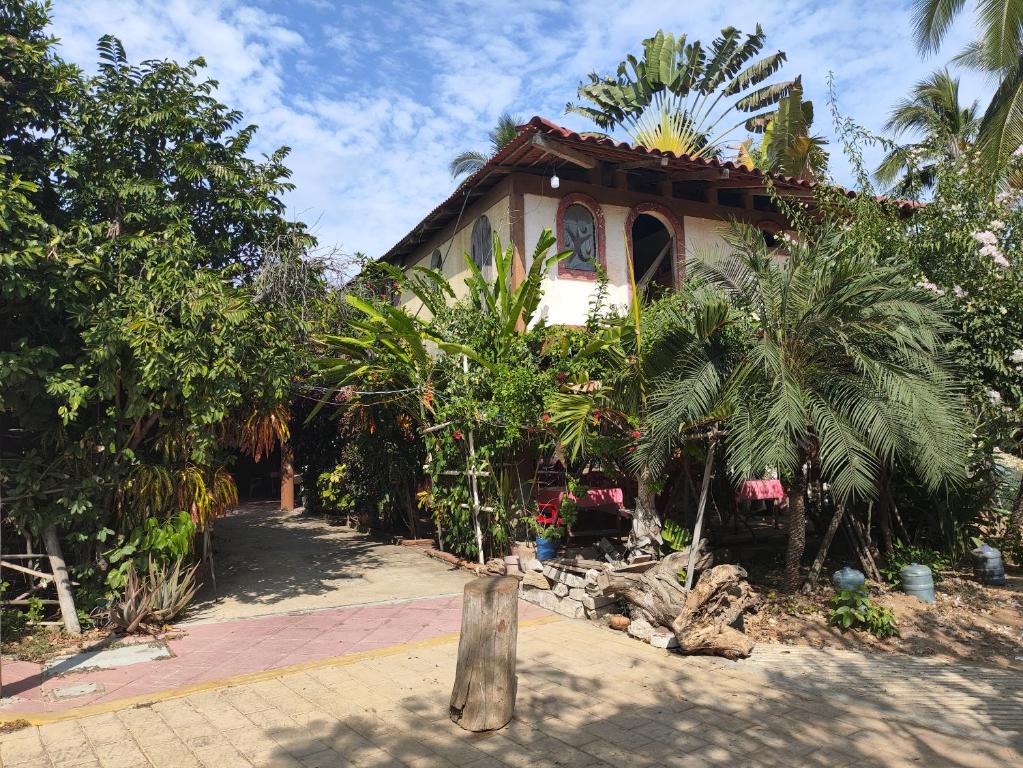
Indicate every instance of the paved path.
{"type": "Point", "coordinates": [215, 651]}
{"type": "Point", "coordinates": [291, 589]}
{"type": "Point", "coordinates": [587, 697]}
{"type": "Point", "coordinates": [268, 561]}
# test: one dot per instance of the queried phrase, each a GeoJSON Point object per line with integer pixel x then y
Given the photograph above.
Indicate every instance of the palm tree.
{"type": "Point", "coordinates": [468, 162]}
{"type": "Point", "coordinates": [678, 95]}
{"type": "Point", "coordinates": [997, 50]}
{"type": "Point", "coordinates": [946, 129]}
{"type": "Point", "coordinates": [841, 374]}
{"type": "Point", "coordinates": [786, 145]}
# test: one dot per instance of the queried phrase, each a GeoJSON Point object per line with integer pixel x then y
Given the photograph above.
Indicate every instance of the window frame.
{"type": "Point", "coordinates": [587, 202]}
{"type": "Point", "coordinates": [490, 242]}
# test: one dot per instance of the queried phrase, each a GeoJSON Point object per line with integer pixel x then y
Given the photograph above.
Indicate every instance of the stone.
{"type": "Point", "coordinates": [110, 658]}
{"type": "Point", "coordinates": [563, 576]}
{"type": "Point", "coordinates": [662, 638]}
{"type": "Point", "coordinates": [599, 613]}
{"type": "Point", "coordinates": [617, 621]}
{"type": "Point", "coordinates": [600, 601]}
{"type": "Point", "coordinates": [577, 594]}
{"type": "Point", "coordinates": [550, 601]}
{"type": "Point", "coordinates": [74, 691]}
{"type": "Point", "coordinates": [561, 590]}
{"type": "Point", "coordinates": [531, 565]}
{"type": "Point", "coordinates": [641, 629]}
{"type": "Point", "coordinates": [534, 580]}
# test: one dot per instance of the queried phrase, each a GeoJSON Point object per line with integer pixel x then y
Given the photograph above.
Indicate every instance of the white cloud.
{"type": "Point", "coordinates": [375, 99]}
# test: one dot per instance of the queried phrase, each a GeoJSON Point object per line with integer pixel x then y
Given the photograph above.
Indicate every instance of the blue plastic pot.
{"type": "Point", "coordinates": [546, 549]}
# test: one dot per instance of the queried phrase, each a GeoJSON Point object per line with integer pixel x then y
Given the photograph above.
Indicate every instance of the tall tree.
{"type": "Point", "coordinates": [998, 49]}
{"type": "Point", "coordinates": [944, 128]}
{"type": "Point", "coordinates": [681, 97]}
{"type": "Point", "coordinates": [786, 145]}
{"type": "Point", "coordinates": [134, 349]}
{"type": "Point", "coordinates": [842, 374]}
{"type": "Point", "coordinates": [468, 162]}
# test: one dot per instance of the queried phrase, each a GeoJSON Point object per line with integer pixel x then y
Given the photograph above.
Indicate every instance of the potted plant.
{"type": "Point", "coordinates": [549, 524]}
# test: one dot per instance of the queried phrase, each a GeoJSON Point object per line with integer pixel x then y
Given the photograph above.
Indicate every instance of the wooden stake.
{"type": "Point", "coordinates": [61, 581]}
{"type": "Point", "coordinates": [815, 570]}
{"type": "Point", "coordinates": [472, 480]}
{"type": "Point", "coordinates": [698, 529]}
{"type": "Point", "coordinates": [483, 696]}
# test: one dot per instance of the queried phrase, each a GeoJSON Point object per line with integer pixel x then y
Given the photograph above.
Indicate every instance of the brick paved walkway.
{"type": "Point", "coordinates": [214, 651]}
{"type": "Point", "coordinates": [587, 697]}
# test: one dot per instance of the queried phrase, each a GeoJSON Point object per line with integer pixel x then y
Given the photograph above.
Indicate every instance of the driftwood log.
{"type": "Point", "coordinates": [703, 620]}
{"type": "Point", "coordinates": [483, 697]}
{"type": "Point", "coordinates": [712, 611]}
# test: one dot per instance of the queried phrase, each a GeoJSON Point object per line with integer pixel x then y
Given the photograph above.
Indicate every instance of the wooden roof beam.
{"type": "Point", "coordinates": [558, 150]}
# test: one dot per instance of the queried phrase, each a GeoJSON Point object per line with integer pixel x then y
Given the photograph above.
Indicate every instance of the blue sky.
{"type": "Point", "coordinates": [374, 98]}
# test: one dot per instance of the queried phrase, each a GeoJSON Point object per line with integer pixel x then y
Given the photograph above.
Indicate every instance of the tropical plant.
{"type": "Point", "coordinates": [842, 373]}
{"type": "Point", "coordinates": [468, 162]}
{"type": "Point", "coordinates": [997, 50]}
{"type": "Point", "coordinates": [854, 609]}
{"type": "Point", "coordinates": [786, 145]}
{"type": "Point", "coordinates": [676, 537]}
{"type": "Point", "coordinates": [945, 129]}
{"type": "Point", "coordinates": [903, 554]}
{"type": "Point", "coordinates": [172, 587]}
{"type": "Point", "coordinates": [680, 97]}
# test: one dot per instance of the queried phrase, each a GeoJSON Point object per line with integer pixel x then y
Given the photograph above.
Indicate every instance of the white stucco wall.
{"type": "Point", "coordinates": [703, 239]}
{"type": "Point", "coordinates": [454, 249]}
{"type": "Point", "coordinates": [567, 300]}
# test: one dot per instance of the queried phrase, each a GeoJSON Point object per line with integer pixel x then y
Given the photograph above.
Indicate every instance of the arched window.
{"type": "Point", "coordinates": [436, 259]}
{"type": "Point", "coordinates": [580, 225]}
{"type": "Point", "coordinates": [581, 237]}
{"type": "Point", "coordinates": [482, 247]}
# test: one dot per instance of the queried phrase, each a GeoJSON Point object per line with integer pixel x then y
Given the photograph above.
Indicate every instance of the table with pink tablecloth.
{"type": "Point", "coordinates": [595, 498]}
{"type": "Point", "coordinates": [760, 490]}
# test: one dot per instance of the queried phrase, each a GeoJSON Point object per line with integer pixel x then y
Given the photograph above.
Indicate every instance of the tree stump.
{"type": "Point", "coordinates": [483, 697]}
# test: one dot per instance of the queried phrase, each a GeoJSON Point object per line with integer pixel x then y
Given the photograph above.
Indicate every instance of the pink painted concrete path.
{"type": "Point", "coordinates": [215, 651]}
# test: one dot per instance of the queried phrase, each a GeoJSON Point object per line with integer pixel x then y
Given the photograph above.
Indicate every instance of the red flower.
{"type": "Point", "coordinates": [632, 449]}
{"type": "Point", "coordinates": [562, 378]}
{"type": "Point", "coordinates": [458, 434]}
{"type": "Point", "coordinates": [546, 417]}
{"type": "Point", "coordinates": [596, 416]}
{"type": "Point", "coordinates": [635, 434]}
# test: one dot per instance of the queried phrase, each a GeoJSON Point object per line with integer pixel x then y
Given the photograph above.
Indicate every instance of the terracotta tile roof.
{"type": "Point", "coordinates": [521, 152]}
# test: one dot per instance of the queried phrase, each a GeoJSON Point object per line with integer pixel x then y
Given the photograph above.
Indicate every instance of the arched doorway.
{"type": "Point", "coordinates": [653, 255]}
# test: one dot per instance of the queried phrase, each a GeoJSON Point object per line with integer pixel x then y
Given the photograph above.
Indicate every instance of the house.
{"type": "Point", "coordinates": [604, 200]}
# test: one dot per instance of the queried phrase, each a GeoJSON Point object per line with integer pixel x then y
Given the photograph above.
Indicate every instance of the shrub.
{"type": "Point", "coordinates": [906, 554]}
{"type": "Point", "coordinates": [853, 609]}
{"type": "Point", "coordinates": [675, 536]}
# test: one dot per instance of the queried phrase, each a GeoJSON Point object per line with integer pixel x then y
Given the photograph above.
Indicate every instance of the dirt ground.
{"type": "Point", "coordinates": [968, 621]}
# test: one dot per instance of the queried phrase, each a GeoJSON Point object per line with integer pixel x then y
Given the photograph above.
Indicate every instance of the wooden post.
{"type": "Point", "coordinates": [287, 478]}
{"type": "Point", "coordinates": [61, 581]}
{"type": "Point", "coordinates": [483, 697]}
{"type": "Point", "coordinates": [815, 571]}
{"type": "Point", "coordinates": [698, 529]}
{"type": "Point", "coordinates": [472, 481]}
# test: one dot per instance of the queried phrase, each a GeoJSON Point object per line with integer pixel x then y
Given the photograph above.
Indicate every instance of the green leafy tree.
{"type": "Point", "coordinates": [682, 97]}
{"type": "Point", "coordinates": [136, 351]}
{"type": "Point", "coordinates": [946, 130]}
{"type": "Point", "coordinates": [468, 162]}
{"type": "Point", "coordinates": [786, 145]}
{"type": "Point", "coordinates": [842, 375]}
{"type": "Point", "coordinates": [998, 50]}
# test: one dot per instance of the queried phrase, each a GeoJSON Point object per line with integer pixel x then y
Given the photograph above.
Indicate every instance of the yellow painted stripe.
{"type": "Point", "coordinates": [42, 718]}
